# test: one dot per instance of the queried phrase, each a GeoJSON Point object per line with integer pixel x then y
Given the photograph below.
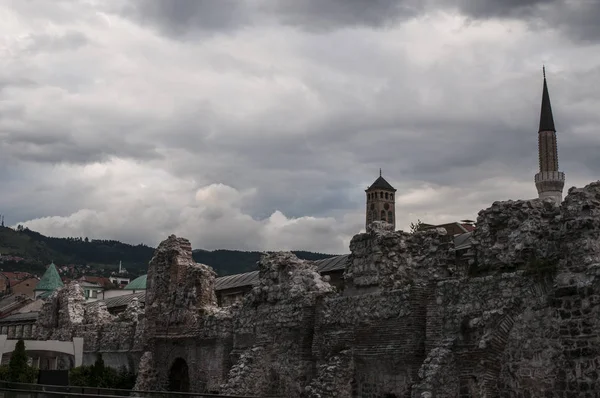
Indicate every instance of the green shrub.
{"type": "Point", "coordinates": [99, 375]}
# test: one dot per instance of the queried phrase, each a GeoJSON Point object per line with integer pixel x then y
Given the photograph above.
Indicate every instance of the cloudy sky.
{"type": "Point", "coordinates": [258, 124]}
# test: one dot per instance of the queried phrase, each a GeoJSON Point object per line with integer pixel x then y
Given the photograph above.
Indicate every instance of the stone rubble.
{"type": "Point", "coordinates": [512, 234]}
{"type": "Point", "coordinates": [61, 313]}
{"type": "Point", "coordinates": [334, 378]}
{"type": "Point", "coordinates": [284, 277]}
{"type": "Point", "coordinates": [390, 260]}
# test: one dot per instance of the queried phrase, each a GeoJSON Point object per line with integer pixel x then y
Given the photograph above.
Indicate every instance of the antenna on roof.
{"type": "Point", "coordinates": [380, 172]}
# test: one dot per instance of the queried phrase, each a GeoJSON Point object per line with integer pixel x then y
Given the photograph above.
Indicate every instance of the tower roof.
{"type": "Point", "coordinates": [546, 119]}
{"type": "Point", "coordinates": [50, 280]}
{"type": "Point", "coordinates": [381, 183]}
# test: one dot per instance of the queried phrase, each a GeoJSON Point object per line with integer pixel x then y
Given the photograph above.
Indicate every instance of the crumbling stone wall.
{"type": "Point", "coordinates": [273, 328]}
{"type": "Point", "coordinates": [554, 348]}
{"type": "Point", "coordinates": [513, 235]}
{"type": "Point", "coordinates": [382, 259]}
{"type": "Point", "coordinates": [66, 315]}
{"type": "Point", "coordinates": [183, 321]}
{"type": "Point", "coordinates": [522, 321]}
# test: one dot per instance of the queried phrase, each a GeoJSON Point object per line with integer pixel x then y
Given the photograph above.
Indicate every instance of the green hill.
{"type": "Point", "coordinates": [39, 250]}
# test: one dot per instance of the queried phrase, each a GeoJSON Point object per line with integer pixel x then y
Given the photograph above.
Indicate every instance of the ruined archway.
{"type": "Point", "coordinates": [179, 376]}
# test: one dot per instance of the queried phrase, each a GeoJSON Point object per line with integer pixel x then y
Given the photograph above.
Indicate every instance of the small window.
{"type": "Point", "coordinates": [390, 217]}
{"type": "Point", "coordinates": [372, 206]}
{"type": "Point", "coordinates": [383, 215]}
{"type": "Point", "coordinates": [381, 195]}
{"type": "Point", "coordinates": [386, 195]}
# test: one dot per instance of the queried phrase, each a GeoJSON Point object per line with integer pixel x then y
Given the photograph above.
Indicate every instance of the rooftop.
{"type": "Point", "coordinates": [138, 283]}
{"type": "Point", "coordinates": [50, 280]}
{"type": "Point", "coordinates": [381, 183]}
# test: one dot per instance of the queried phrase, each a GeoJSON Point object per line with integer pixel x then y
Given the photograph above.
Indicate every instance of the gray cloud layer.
{"type": "Point", "coordinates": [257, 125]}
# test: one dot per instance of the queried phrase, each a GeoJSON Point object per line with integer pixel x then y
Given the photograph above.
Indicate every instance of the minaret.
{"type": "Point", "coordinates": [381, 202]}
{"type": "Point", "coordinates": [549, 181]}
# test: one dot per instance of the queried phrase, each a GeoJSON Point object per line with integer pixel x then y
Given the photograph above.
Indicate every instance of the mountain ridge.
{"type": "Point", "coordinates": [104, 255]}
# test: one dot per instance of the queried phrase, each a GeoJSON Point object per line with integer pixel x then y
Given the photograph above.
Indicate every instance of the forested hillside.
{"type": "Point", "coordinates": [38, 250]}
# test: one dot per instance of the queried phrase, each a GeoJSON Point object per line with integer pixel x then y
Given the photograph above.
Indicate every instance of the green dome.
{"type": "Point", "coordinates": [138, 283]}
{"type": "Point", "coordinates": [50, 280]}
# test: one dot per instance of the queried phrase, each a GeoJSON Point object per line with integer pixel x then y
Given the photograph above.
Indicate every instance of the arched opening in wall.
{"type": "Point", "coordinates": [179, 376]}
{"type": "Point", "coordinates": [383, 218]}
{"type": "Point", "coordinates": [390, 217]}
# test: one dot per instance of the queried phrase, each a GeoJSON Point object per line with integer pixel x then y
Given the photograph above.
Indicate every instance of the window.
{"type": "Point", "coordinates": [390, 217]}
{"type": "Point", "coordinates": [386, 206]}
{"type": "Point", "coordinates": [372, 206]}
{"type": "Point", "coordinates": [382, 215]}
{"type": "Point", "coordinates": [381, 195]}
{"type": "Point", "coordinates": [386, 195]}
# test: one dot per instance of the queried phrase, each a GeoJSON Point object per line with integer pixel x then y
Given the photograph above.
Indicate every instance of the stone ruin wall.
{"type": "Point", "coordinates": [65, 315]}
{"type": "Point", "coordinates": [521, 320]}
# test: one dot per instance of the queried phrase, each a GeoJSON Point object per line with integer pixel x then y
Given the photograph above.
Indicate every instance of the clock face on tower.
{"type": "Point", "coordinates": [386, 206]}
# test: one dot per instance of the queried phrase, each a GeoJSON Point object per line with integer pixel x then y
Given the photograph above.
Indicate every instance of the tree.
{"type": "Point", "coordinates": [415, 226]}
{"type": "Point", "coordinates": [97, 373]}
{"type": "Point", "coordinates": [18, 369]}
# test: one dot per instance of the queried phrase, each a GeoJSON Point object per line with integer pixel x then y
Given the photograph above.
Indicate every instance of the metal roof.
{"type": "Point", "coordinates": [381, 183]}
{"type": "Point", "coordinates": [138, 283]}
{"type": "Point", "coordinates": [120, 301]}
{"type": "Point", "coordinates": [237, 280]}
{"type": "Point", "coordinates": [332, 264]}
{"type": "Point", "coordinates": [251, 278]}
{"type": "Point", "coordinates": [546, 119]}
{"type": "Point", "coordinates": [125, 300]}
{"type": "Point", "coordinates": [50, 280]}
{"type": "Point", "coordinates": [88, 284]}
{"type": "Point", "coordinates": [27, 316]}
{"type": "Point", "coordinates": [463, 241]}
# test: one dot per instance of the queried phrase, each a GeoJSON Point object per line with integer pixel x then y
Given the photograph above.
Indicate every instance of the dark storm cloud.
{"type": "Point", "coordinates": [331, 14]}
{"type": "Point", "coordinates": [504, 8]}
{"type": "Point", "coordinates": [57, 144]}
{"type": "Point", "coordinates": [182, 16]}
{"type": "Point", "coordinates": [578, 18]}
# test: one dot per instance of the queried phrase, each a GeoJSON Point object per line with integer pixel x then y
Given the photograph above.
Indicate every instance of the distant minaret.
{"type": "Point", "coordinates": [549, 181]}
{"type": "Point", "coordinates": [2, 220]}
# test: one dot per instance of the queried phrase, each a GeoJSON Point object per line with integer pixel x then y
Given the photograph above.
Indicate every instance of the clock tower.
{"type": "Point", "coordinates": [381, 202]}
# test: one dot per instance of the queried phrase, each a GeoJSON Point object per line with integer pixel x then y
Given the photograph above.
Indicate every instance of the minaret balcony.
{"type": "Point", "coordinates": [550, 176]}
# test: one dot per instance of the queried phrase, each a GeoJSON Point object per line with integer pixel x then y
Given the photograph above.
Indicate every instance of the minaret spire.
{"type": "Point", "coordinates": [549, 181]}
{"type": "Point", "coordinates": [546, 119]}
